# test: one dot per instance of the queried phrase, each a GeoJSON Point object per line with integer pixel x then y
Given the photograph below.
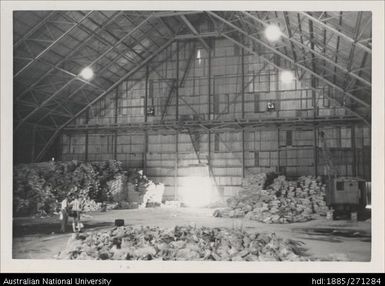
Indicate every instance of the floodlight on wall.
{"type": "Point", "coordinates": [87, 73]}
{"type": "Point", "coordinates": [286, 76]}
{"type": "Point", "coordinates": [273, 33]}
{"type": "Point", "coordinates": [199, 58]}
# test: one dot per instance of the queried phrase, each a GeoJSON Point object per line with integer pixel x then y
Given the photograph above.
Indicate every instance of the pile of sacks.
{"type": "Point", "coordinates": [153, 195]}
{"type": "Point", "coordinates": [281, 202]}
{"type": "Point", "coordinates": [182, 243]}
{"type": "Point", "coordinates": [117, 188]}
{"type": "Point", "coordinates": [90, 206]}
{"type": "Point", "coordinates": [40, 187]}
{"type": "Point", "coordinates": [144, 192]}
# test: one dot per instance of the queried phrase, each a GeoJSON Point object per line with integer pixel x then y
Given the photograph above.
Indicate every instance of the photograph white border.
{"type": "Point", "coordinates": [378, 203]}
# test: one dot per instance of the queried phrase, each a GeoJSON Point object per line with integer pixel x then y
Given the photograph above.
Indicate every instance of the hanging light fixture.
{"type": "Point", "coordinates": [286, 76]}
{"type": "Point", "coordinates": [273, 33]}
{"type": "Point", "coordinates": [87, 73]}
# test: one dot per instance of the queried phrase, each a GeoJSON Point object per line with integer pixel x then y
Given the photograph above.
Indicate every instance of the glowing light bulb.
{"type": "Point", "coordinates": [87, 73]}
{"type": "Point", "coordinates": [273, 33]}
{"type": "Point", "coordinates": [286, 76]}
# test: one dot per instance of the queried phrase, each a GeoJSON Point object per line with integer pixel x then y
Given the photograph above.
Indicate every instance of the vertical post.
{"type": "Point", "coordinates": [243, 108]}
{"type": "Point", "coordinates": [116, 123]}
{"type": "Point", "coordinates": [177, 118]}
{"type": "Point", "coordinates": [370, 144]}
{"type": "Point", "coordinates": [176, 166]}
{"type": "Point", "coordinates": [209, 81]}
{"type": "Point", "coordinates": [243, 81]}
{"type": "Point", "coordinates": [315, 151]}
{"type": "Point", "coordinates": [145, 121]}
{"type": "Point", "coordinates": [146, 96]}
{"type": "Point", "coordinates": [33, 144]}
{"type": "Point", "coordinates": [315, 129]}
{"type": "Point", "coordinates": [177, 82]}
{"type": "Point", "coordinates": [243, 153]}
{"type": "Point", "coordinates": [277, 93]}
{"type": "Point", "coordinates": [86, 143]}
{"type": "Point", "coordinates": [363, 152]}
{"type": "Point", "coordinates": [209, 103]}
{"type": "Point", "coordinates": [353, 138]}
{"type": "Point", "coordinates": [278, 150]}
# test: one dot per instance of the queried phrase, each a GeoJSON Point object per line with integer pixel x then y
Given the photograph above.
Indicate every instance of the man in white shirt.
{"type": "Point", "coordinates": [64, 214]}
{"type": "Point", "coordinates": [75, 209]}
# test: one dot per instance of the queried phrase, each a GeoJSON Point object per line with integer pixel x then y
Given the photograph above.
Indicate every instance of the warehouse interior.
{"type": "Point", "coordinates": [234, 121]}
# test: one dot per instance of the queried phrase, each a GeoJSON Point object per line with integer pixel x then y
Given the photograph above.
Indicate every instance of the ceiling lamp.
{"type": "Point", "coordinates": [87, 73]}
{"type": "Point", "coordinates": [273, 33]}
{"type": "Point", "coordinates": [286, 76]}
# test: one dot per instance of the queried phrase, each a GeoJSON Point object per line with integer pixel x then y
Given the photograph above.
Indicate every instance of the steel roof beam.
{"type": "Point", "coordinates": [292, 40]}
{"type": "Point", "coordinates": [104, 41]}
{"type": "Point", "coordinates": [176, 13]}
{"type": "Point", "coordinates": [279, 68]}
{"type": "Point", "coordinates": [34, 29]}
{"type": "Point", "coordinates": [195, 32]}
{"type": "Point", "coordinates": [363, 103]}
{"type": "Point", "coordinates": [288, 29]}
{"type": "Point", "coordinates": [352, 50]}
{"type": "Point", "coordinates": [76, 49]}
{"type": "Point", "coordinates": [19, 72]}
{"type": "Point", "coordinates": [337, 49]}
{"type": "Point", "coordinates": [73, 79]}
{"type": "Point", "coordinates": [346, 37]}
{"type": "Point", "coordinates": [82, 86]}
{"type": "Point", "coordinates": [126, 76]}
{"type": "Point", "coordinates": [192, 36]}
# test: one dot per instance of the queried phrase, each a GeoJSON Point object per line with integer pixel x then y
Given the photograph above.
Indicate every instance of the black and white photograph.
{"type": "Point", "coordinates": [193, 135]}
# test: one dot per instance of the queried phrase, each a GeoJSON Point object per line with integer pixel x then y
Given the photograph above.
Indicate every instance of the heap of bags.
{"type": "Point", "coordinates": [144, 192]}
{"type": "Point", "coordinates": [39, 188]}
{"type": "Point", "coordinates": [117, 188]}
{"type": "Point", "coordinates": [182, 243]}
{"type": "Point", "coordinates": [281, 202]}
{"type": "Point", "coordinates": [153, 195]}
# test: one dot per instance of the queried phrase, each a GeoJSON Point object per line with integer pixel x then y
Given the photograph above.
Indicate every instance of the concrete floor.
{"type": "Point", "coordinates": [36, 238]}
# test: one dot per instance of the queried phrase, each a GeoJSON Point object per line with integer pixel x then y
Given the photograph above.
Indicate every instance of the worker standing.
{"type": "Point", "coordinates": [140, 180]}
{"type": "Point", "coordinates": [64, 214]}
{"type": "Point", "coordinates": [75, 207]}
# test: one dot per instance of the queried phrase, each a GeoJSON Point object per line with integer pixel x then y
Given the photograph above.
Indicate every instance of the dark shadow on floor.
{"type": "Point", "coordinates": [50, 228]}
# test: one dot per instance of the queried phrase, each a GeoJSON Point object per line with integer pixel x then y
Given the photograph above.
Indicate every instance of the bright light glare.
{"type": "Point", "coordinates": [87, 73]}
{"type": "Point", "coordinates": [199, 56]}
{"type": "Point", "coordinates": [273, 33]}
{"type": "Point", "coordinates": [286, 76]}
{"type": "Point", "coordinates": [196, 191]}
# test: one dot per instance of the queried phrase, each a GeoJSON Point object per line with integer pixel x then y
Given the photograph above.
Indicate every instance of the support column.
{"type": "Point", "coordinates": [33, 144]}
{"type": "Point", "coordinates": [315, 151]}
{"type": "Point", "coordinates": [315, 129]}
{"type": "Point", "coordinates": [278, 150]}
{"type": "Point", "coordinates": [177, 83]}
{"type": "Point", "coordinates": [144, 165]}
{"type": "Point", "coordinates": [353, 139]}
{"type": "Point", "coordinates": [177, 119]}
{"type": "Point", "coordinates": [86, 143]}
{"type": "Point", "coordinates": [243, 108]}
{"type": "Point", "coordinates": [176, 166]}
{"type": "Point", "coordinates": [116, 123]}
{"type": "Point", "coordinates": [209, 81]}
{"type": "Point", "coordinates": [209, 103]}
